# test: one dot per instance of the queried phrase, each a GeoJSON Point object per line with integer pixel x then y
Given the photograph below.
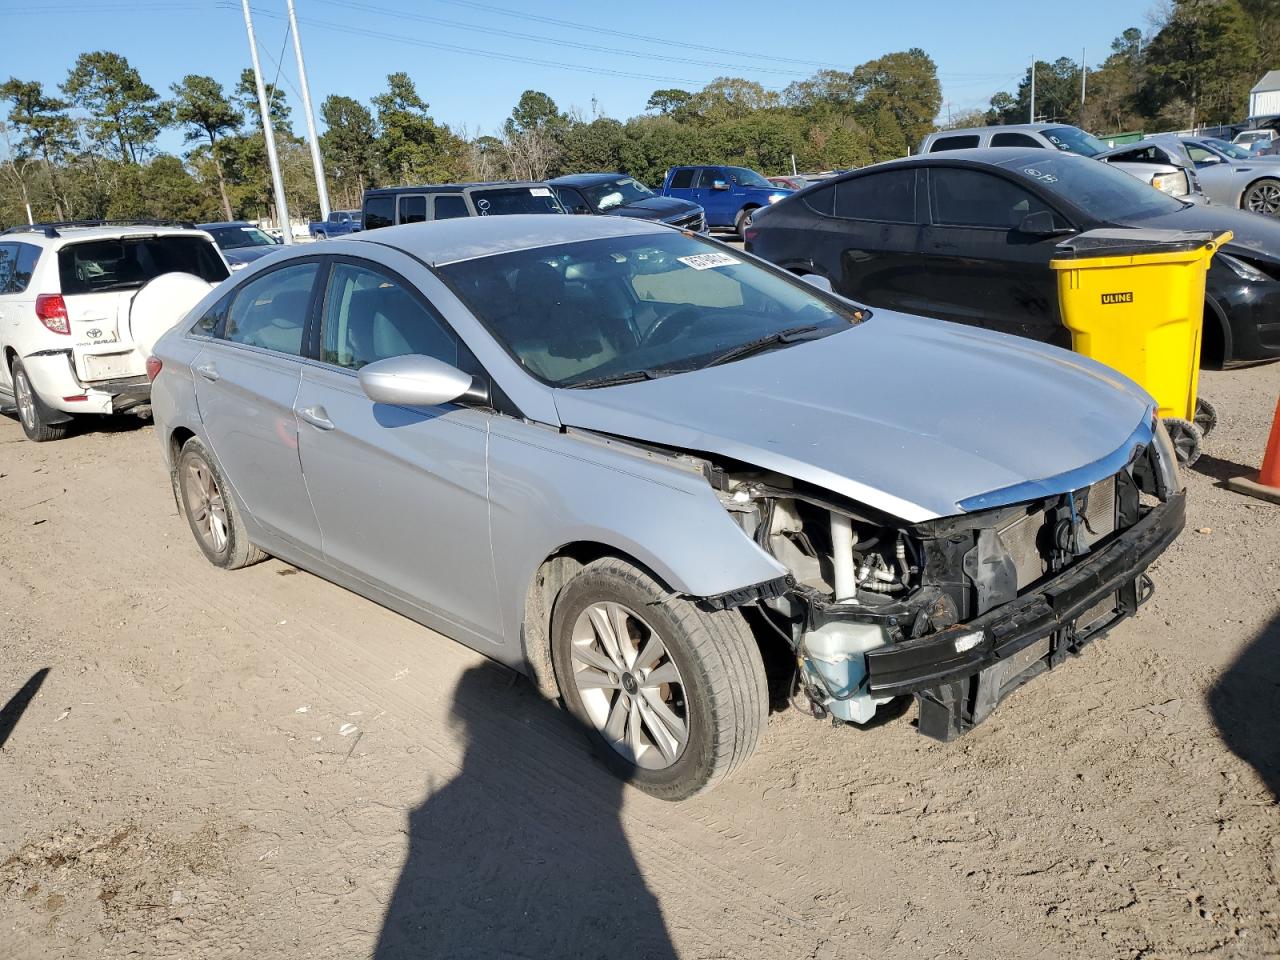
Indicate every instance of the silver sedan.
{"type": "Point", "coordinates": [1230, 175]}
{"type": "Point", "coordinates": [637, 465]}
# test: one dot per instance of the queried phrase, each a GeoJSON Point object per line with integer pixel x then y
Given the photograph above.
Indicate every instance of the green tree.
{"type": "Point", "coordinates": [728, 98]}
{"type": "Point", "coordinates": [413, 148]}
{"type": "Point", "coordinates": [205, 114]}
{"type": "Point", "coordinates": [902, 86]}
{"type": "Point", "coordinates": [594, 146]}
{"type": "Point", "coordinates": [43, 130]}
{"type": "Point", "coordinates": [1057, 95]}
{"type": "Point", "coordinates": [348, 147]}
{"type": "Point", "coordinates": [668, 101]}
{"type": "Point", "coordinates": [125, 114]}
{"type": "Point", "coordinates": [245, 99]}
{"type": "Point", "coordinates": [1203, 59]}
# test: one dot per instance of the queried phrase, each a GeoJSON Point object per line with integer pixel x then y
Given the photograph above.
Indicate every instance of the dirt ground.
{"type": "Point", "coordinates": [212, 764]}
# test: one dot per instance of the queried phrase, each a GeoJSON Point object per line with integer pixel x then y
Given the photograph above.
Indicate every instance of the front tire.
{"type": "Point", "coordinates": [30, 411]}
{"type": "Point", "coordinates": [673, 696]}
{"type": "Point", "coordinates": [1262, 197]}
{"type": "Point", "coordinates": [211, 510]}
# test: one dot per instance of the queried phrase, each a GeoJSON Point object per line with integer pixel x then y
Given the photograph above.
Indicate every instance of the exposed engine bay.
{"type": "Point", "coordinates": [862, 583]}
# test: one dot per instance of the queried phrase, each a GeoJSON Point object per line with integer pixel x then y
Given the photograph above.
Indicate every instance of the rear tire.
{"type": "Point", "coordinates": [30, 410]}
{"type": "Point", "coordinates": [1206, 417]}
{"type": "Point", "coordinates": [743, 221]}
{"type": "Point", "coordinates": [1262, 197]}
{"type": "Point", "coordinates": [702, 715]}
{"type": "Point", "coordinates": [211, 510]}
{"type": "Point", "coordinates": [320, 235]}
{"type": "Point", "coordinates": [1188, 439]}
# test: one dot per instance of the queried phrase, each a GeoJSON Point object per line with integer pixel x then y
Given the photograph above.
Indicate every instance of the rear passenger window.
{"type": "Point", "coordinates": [682, 179]}
{"type": "Point", "coordinates": [413, 209]}
{"type": "Point", "coordinates": [822, 200]}
{"type": "Point", "coordinates": [970, 198]}
{"type": "Point", "coordinates": [888, 197]}
{"type": "Point", "coordinates": [961, 142]}
{"type": "Point", "coordinates": [379, 212]}
{"type": "Point", "coordinates": [1016, 140]}
{"type": "Point", "coordinates": [449, 206]}
{"type": "Point", "coordinates": [369, 316]}
{"type": "Point", "coordinates": [271, 311]}
{"type": "Point", "coordinates": [28, 257]}
{"type": "Point", "coordinates": [8, 267]}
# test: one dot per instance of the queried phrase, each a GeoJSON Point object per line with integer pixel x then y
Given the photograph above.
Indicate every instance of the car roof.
{"type": "Point", "coordinates": [52, 234]}
{"type": "Point", "coordinates": [1000, 128]}
{"type": "Point", "coordinates": [439, 242]}
{"type": "Point", "coordinates": [586, 179]}
{"type": "Point", "coordinates": [453, 187]}
{"type": "Point", "coordinates": [224, 223]}
{"type": "Point", "coordinates": [971, 156]}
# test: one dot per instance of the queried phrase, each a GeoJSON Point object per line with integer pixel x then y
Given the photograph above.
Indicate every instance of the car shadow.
{"type": "Point", "coordinates": [522, 853]}
{"type": "Point", "coordinates": [1221, 470]}
{"type": "Point", "coordinates": [1245, 703]}
{"type": "Point", "coordinates": [12, 711]}
{"type": "Point", "coordinates": [95, 423]}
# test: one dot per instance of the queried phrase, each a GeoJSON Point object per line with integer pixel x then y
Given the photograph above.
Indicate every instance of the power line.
{"type": "Point", "coordinates": [540, 38]}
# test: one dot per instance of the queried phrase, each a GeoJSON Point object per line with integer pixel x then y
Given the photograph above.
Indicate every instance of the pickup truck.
{"type": "Point", "coordinates": [727, 194]}
{"type": "Point", "coordinates": [340, 223]}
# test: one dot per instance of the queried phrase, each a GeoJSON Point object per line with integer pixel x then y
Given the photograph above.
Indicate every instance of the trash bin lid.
{"type": "Point", "coordinates": [1119, 242]}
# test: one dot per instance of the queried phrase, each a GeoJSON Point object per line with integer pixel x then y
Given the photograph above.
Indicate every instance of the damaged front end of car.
{"type": "Point", "coordinates": [959, 610]}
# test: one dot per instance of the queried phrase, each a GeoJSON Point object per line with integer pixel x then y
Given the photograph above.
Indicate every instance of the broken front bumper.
{"type": "Point", "coordinates": [959, 680]}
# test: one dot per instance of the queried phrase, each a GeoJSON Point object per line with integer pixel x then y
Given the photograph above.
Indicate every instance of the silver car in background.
{"type": "Point", "coordinates": [635, 464]}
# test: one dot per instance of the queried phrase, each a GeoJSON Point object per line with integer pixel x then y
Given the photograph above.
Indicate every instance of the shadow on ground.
{"type": "Point", "coordinates": [18, 703]}
{"type": "Point", "coordinates": [95, 423]}
{"type": "Point", "coordinates": [1246, 705]}
{"type": "Point", "coordinates": [522, 854]}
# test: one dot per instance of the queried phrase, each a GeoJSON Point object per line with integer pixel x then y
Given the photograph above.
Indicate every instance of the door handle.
{"type": "Point", "coordinates": [208, 371]}
{"type": "Point", "coordinates": [317, 417]}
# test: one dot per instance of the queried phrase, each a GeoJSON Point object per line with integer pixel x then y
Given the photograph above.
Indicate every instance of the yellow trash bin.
{"type": "Point", "coordinates": [1134, 300]}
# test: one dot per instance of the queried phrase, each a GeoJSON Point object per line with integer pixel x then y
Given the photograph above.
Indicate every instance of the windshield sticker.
{"type": "Point", "coordinates": [540, 191]}
{"type": "Point", "coordinates": [705, 261]}
{"type": "Point", "coordinates": [1037, 175]}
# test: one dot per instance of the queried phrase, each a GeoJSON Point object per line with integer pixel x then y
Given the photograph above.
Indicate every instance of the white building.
{"type": "Point", "coordinates": [1264, 98]}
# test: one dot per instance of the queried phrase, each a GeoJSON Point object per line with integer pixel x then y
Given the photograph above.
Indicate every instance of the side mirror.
{"type": "Point", "coordinates": [581, 209]}
{"type": "Point", "coordinates": [719, 185]}
{"type": "Point", "coordinates": [413, 381]}
{"type": "Point", "coordinates": [1039, 224]}
{"type": "Point", "coordinates": [818, 281]}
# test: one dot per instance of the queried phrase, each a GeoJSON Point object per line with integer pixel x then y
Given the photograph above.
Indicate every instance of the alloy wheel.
{"type": "Point", "coordinates": [630, 686]}
{"type": "Point", "coordinates": [207, 506]}
{"type": "Point", "coordinates": [1264, 198]}
{"type": "Point", "coordinates": [26, 400]}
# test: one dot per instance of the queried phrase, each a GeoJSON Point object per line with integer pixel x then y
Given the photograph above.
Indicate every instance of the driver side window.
{"type": "Point", "coordinates": [368, 316]}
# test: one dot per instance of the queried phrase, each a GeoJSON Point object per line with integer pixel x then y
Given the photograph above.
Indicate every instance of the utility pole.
{"type": "Point", "coordinates": [1084, 79]}
{"type": "Point", "coordinates": [1032, 119]}
{"type": "Point", "coordinates": [322, 188]}
{"type": "Point", "coordinates": [268, 132]}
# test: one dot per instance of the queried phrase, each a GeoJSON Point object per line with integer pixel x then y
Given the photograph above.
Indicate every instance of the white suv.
{"type": "Point", "coordinates": [69, 333]}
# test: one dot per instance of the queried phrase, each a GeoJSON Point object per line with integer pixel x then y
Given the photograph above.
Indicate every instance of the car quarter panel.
{"type": "Point", "coordinates": [548, 489]}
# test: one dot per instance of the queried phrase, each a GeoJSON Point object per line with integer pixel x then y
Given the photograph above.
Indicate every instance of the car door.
{"type": "Point", "coordinates": [720, 203]}
{"type": "Point", "coordinates": [400, 493]}
{"type": "Point", "coordinates": [980, 268]}
{"type": "Point", "coordinates": [867, 238]}
{"type": "Point", "coordinates": [246, 379]}
{"type": "Point", "coordinates": [9, 290]}
{"type": "Point", "coordinates": [572, 200]}
{"type": "Point", "coordinates": [1219, 178]}
{"type": "Point", "coordinates": [682, 184]}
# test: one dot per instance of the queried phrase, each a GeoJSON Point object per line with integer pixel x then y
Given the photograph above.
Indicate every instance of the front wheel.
{"type": "Point", "coordinates": [30, 410]}
{"type": "Point", "coordinates": [673, 696]}
{"type": "Point", "coordinates": [1263, 197]}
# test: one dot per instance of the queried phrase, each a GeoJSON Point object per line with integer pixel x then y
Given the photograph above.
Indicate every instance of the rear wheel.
{"type": "Point", "coordinates": [673, 696]}
{"type": "Point", "coordinates": [1206, 417]}
{"type": "Point", "coordinates": [1263, 197]}
{"type": "Point", "coordinates": [211, 511]}
{"type": "Point", "coordinates": [319, 235]}
{"type": "Point", "coordinates": [31, 411]}
{"type": "Point", "coordinates": [743, 221]}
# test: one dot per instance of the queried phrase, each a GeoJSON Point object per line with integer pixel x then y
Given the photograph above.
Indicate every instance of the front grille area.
{"type": "Point", "coordinates": [694, 222]}
{"type": "Point", "coordinates": [1098, 518]}
{"type": "Point", "coordinates": [1023, 540]}
{"type": "Point", "coordinates": [1030, 539]}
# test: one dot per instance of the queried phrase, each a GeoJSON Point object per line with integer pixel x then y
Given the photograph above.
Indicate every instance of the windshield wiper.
{"type": "Point", "coordinates": [612, 379]}
{"type": "Point", "coordinates": [811, 331]}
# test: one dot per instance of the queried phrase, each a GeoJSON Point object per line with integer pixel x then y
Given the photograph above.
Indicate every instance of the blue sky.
{"type": "Point", "coordinates": [471, 58]}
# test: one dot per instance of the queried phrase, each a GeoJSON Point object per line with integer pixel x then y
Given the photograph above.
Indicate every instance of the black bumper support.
{"type": "Point", "coordinates": [952, 695]}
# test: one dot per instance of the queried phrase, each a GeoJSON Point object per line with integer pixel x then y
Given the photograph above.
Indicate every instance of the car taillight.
{"type": "Point", "coordinates": [52, 311]}
{"type": "Point", "coordinates": [153, 368]}
{"type": "Point", "coordinates": [750, 234]}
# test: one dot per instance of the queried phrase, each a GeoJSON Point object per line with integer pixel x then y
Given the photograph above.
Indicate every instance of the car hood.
{"type": "Point", "coordinates": [655, 208]}
{"type": "Point", "coordinates": [247, 254]}
{"type": "Point", "coordinates": [915, 417]}
{"type": "Point", "coordinates": [1255, 235]}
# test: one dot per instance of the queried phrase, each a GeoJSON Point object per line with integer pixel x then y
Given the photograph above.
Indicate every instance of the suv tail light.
{"type": "Point", "coordinates": [52, 311]}
{"type": "Point", "coordinates": [153, 368]}
{"type": "Point", "coordinates": [750, 234]}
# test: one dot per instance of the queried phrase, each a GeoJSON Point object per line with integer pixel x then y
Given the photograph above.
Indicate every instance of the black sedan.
{"type": "Point", "coordinates": [241, 243]}
{"type": "Point", "coordinates": [968, 235]}
{"type": "Point", "coordinates": [617, 195]}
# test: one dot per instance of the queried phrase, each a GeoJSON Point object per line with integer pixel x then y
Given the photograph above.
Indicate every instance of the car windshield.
{"type": "Point", "coordinates": [1251, 136]}
{"type": "Point", "coordinates": [232, 238]}
{"type": "Point", "coordinates": [748, 178]}
{"type": "Point", "coordinates": [1075, 140]}
{"type": "Point", "coordinates": [504, 200]}
{"type": "Point", "coordinates": [636, 307]}
{"type": "Point", "coordinates": [1234, 151]}
{"type": "Point", "coordinates": [129, 262]}
{"type": "Point", "coordinates": [616, 193]}
{"type": "Point", "coordinates": [1099, 189]}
